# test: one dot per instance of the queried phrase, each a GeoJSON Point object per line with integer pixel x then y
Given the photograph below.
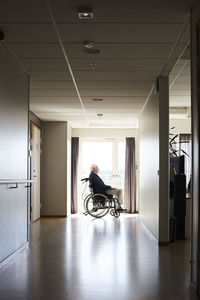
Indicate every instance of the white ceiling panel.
{"type": "Point", "coordinates": [181, 79]}
{"type": "Point", "coordinates": [179, 92]}
{"type": "Point", "coordinates": [93, 75]}
{"type": "Point", "coordinates": [56, 100]}
{"type": "Point", "coordinates": [24, 11]}
{"type": "Point", "coordinates": [99, 85]}
{"type": "Point", "coordinates": [115, 100]}
{"type": "Point", "coordinates": [139, 51]}
{"type": "Point", "coordinates": [66, 11]}
{"type": "Point", "coordinates": [99, 33]}
{"type": "Point", "coordinates": [117, 75]}
{"type": "Point", "coordinates": [52, 84]}
{"type": "Point", "coordinates": [131, 33]}
{"type": "Point", "coordinates": [118, 64]}
{"type": "Point", "coordinates": [114, 93]}
{"type": "Point", "coordinates": [36, 50]}
{"type": "Point", "coordinates": [53, 93]}
{"type": "Point", "coordinates": [31, 33]}
{"type": "Point", "coordinates": [180, 103]}
{"type": "Point", "coordinates": [50, 75]}
{"type": "Point", "coordinates": [126, 51]}
{"type": "Point", "coordinates": [136, 46]}
{"type": "Point", "coordinates": [181, 86]}
{"type": "Point", "coordinates": [117, 85]}
{"type": "Point", "coordinates": [129, 11]}
{"type": "Point", "coordinates": [84, 64]}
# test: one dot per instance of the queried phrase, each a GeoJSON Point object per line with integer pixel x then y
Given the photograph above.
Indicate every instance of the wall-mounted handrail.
{"type": "Point", "coordinates": [15, 181]}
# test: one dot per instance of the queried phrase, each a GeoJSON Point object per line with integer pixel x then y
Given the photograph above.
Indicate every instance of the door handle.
{"type": "Point", "coordinates": [28, 186]}
{"type": "Point", "coordinates": [14, 187]}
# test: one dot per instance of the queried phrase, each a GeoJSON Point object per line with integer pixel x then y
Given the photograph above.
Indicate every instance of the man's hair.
{"type": "Point", "coordinates": [92, 167]}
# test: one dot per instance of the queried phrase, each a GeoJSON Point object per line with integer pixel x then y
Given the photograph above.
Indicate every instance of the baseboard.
{"type": "Point", "coordinates": [163, 243]}
{"type": "Point", "coordinates": [53, 216]}
{"type": "Point", "coordinates": [13, 255]}
{"type": "Point", "coordinates": [148, 231]}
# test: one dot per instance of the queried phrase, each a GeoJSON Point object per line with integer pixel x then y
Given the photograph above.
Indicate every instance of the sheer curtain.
{"type": "Point", "coordinates": [185, 144]}
{"type": "Point", "coordinates": [130, 176]}
{"type": "Point", "coordinates": [74, 174]}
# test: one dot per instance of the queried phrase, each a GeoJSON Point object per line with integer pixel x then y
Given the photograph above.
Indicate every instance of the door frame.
{"type": "Point", "coordinates": [32, 124]}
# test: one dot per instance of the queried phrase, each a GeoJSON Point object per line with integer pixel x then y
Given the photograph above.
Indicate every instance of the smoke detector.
{"type": "Point", "coordinates": [88, 44]}
{"type": "Point", "coordinates": [89, 48]}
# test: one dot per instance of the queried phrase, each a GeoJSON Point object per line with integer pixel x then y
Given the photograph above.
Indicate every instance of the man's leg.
{"type": "Point", "coordinates": [117, 193]}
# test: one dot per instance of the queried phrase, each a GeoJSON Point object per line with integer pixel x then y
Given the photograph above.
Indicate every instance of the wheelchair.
{"type": "Point", "coordinates": [99, 205]}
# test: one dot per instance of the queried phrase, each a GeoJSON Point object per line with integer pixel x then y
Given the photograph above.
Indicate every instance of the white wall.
{"type": "Point", "coordinates": [154, 162]}
{"type": "Point", "coordinates": [195, 17]}
{"type": "Point", "coordinates": [181, 126]}
{"type": "Point", "coordinates": [14, 85]}
{"type": "Point", "coordinates": [163, 160]}
{"type": "Point", "coordinates": [104, 132]}
{"type": "Point", "coordinates": [149, 165]}
{"type": "Point", "coordinates": [69, 135]}
{"type": "Point", "coordinates": [54, 201]}
{"type": "Point", "coordinates": [108, 133]}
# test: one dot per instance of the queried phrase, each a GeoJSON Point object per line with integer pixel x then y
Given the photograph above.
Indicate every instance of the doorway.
{"type": "Point", "coordinates": [35, 171]}
{"type": "Point", "coordinates": [109, 155]}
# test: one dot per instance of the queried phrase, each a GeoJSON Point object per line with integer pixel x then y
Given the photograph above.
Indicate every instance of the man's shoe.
{"type": "Point", "coordinates": [121, 209]}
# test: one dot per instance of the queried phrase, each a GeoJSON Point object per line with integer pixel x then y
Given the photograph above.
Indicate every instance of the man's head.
{"type": "Point", "coordinates": [94, 168]}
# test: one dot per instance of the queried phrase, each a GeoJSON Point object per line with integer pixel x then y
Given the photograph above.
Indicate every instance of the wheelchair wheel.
{"type": "Point", "coordinates": [97, 205]}
{"type": "Point", "coordinates": [85, 201]}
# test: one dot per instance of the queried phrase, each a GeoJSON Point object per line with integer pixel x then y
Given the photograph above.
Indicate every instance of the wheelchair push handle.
{"type": "Point", "coordinates": [85, 179]}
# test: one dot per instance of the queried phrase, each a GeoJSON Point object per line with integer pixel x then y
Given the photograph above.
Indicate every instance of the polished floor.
{"type": "Point", "coordinates": [81, 258]}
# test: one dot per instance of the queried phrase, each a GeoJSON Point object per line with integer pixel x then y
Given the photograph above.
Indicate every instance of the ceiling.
{"type": "Point", "coordinates": [138, 41]}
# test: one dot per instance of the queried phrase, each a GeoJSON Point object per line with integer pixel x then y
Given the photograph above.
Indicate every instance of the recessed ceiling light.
{"type": "Point", "coordinates": [97, 99]}
{"type": "Point", "coordinates": [85, 13]}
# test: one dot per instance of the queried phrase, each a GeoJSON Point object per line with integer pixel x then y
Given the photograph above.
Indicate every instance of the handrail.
{"type": "Point", "coordinates": [17, 181]}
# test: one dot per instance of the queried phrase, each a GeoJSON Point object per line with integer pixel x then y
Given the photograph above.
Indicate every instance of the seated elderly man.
{"type": "Point", "coordinates": [100, 188]}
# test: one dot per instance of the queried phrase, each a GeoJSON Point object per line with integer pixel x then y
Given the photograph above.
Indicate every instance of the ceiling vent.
{"type": "Point", "coordinates": [85, 13]}
{"type": "Point", "coordinates": [97, 99]}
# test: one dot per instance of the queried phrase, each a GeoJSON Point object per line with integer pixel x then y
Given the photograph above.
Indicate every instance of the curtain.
{"type": "Point", "coordinates": [130, 176]}
{"type": "Point", "coordinates": [185, 144]}
{"type": "Point", "coordinates": [74, 174]}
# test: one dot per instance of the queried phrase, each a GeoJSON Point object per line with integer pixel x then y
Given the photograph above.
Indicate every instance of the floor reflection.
{"type": "Point", "coordinates": [83, 258]}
